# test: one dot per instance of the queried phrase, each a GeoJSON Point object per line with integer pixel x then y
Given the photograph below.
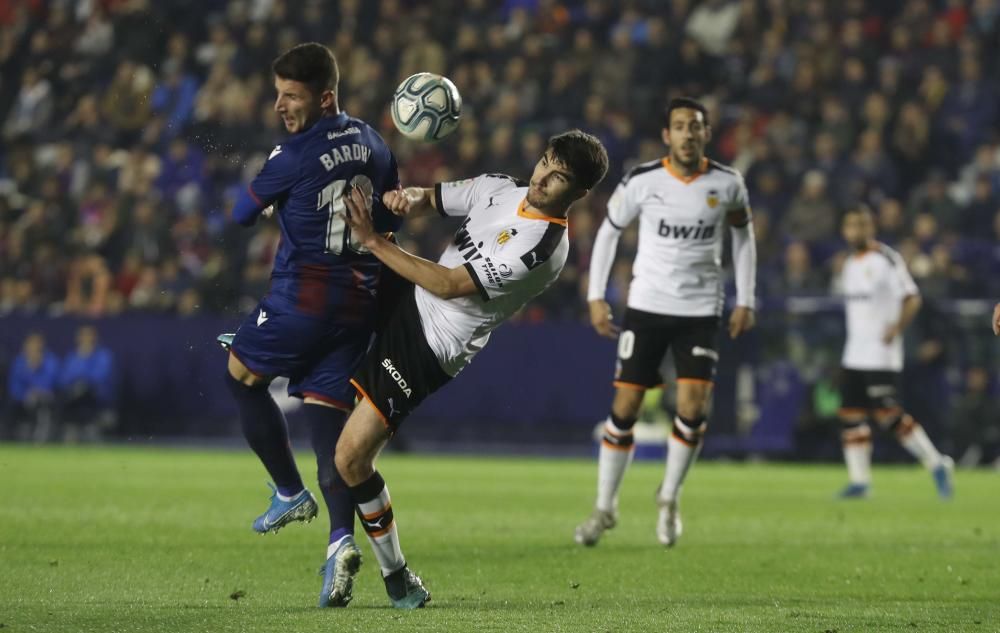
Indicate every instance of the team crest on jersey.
{"type": "Point", "coordinates": [505, 236]}
{"type": "Point", "coordinates": [712, 199]}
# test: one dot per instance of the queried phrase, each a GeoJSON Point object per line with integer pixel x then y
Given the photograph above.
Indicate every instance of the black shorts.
{"type": "Point", "coordinates": [400, 369]}
{"type": "Point", "coordinates": [869, 390]}
{"type": "Point", "coordinates": [645, 339]}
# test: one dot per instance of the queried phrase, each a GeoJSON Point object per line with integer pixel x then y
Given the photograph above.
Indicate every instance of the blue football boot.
{"type": "Point", "coordinates": [339, 573]}
{"type": "Point", "coordinates": [301, 507]}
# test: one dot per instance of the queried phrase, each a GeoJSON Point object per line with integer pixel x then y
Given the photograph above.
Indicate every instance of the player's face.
{"type": "Point", "coordinates": [551, 186]}
{"type": "Point", "coordinates": [687, 135]}
{"type": "Point", "coordinates": [858, 230]}
{"type": "Point", "coordinates": [298, 107]}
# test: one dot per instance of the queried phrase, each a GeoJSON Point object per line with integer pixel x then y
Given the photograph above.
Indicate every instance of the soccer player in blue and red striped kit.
{"type": "Point", "coordinates": [315, 322]}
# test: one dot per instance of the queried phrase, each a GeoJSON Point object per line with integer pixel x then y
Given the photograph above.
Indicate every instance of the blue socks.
{"type": "Point", "coordinates": [325, 425]}
{"type": "Point", "coordinates": [267, 434]}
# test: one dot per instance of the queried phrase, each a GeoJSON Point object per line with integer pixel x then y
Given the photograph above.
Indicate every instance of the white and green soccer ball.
{"type": "Point", "coordinates": [426, 107]}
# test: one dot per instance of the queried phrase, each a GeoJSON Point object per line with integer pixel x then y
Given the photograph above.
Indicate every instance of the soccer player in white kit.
{"type": "Point", "coordinates": [512, 245]}
{"type": "Point", "coordinates": [881, 300]}
{"type": "Point", "coordinates": [675, 301]}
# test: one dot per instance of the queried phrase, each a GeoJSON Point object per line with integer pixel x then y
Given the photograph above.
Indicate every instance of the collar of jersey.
{"type": "Point", "coordinates": [521, 211]}
{"type": "Point", "coordinates": [702, 168]}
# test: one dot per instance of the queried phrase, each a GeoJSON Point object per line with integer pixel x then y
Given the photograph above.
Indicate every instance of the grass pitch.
{"type": "Point", "coordinates": [119, 539]}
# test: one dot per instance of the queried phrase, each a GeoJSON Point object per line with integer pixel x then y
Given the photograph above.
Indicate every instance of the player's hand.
{"type": "Point", "coordinates": [600, 318]}
{"type": "Point", "coordinates": [891, 333]}
{"type": "Point", "coordinates": [741, 320]}
{"type": "Point", "coordinates": [402, 201]}
{"type": "Point", "coordinates": [996, 319]}
{"type": "Point", "coordinates": [359, 214]}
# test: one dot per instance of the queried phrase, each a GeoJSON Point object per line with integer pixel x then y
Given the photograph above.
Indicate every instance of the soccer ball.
{"type": "Point", "coordinates": [426, 107]}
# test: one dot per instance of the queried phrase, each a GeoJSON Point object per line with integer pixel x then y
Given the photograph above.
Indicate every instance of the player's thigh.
{"type": "Point", "coordinates": [327, 380]}
{"type": "Point", "coordinates": [400, 369]}
{"type": "Point", "coordinates": [883, 389]}
{"type": "Point", "coordinates": [642, 345]}
{"type": "Point", "coordinates": [694, 344]}
{"type": "Point", "coordinates": [272, 342]}
{"type": "Point", "coordinates": [363, 437]}
{"type": "Point", "coordinates": [243, 374]}
{"type": "Point", "coordinates": [855, 405]}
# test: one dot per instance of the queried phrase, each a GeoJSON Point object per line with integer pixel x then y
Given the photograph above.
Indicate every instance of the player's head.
{"type": "Point", "coordinates": [573, 163]}
{"type": "Point", "coordinates": [686, 131]}
{"type": "Point", "coordinates": [306, 78]}
{"type": "Point", "coordinates": [858, 227]}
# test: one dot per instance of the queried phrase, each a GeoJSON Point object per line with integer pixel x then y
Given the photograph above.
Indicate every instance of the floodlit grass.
{"type": "Point", "coordinates": [121, 539]}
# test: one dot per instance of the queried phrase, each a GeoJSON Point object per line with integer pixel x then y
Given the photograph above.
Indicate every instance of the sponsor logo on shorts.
{"type": "Point", "coordinates": [881, 391]}
{"type": "Point", "coordinates": [261, 318]}
{"type": "Point", "coordinates": [704, 351]}
{"type": "Point", "coordinates": [505, 271]}
{"type": "Point", "coordinates": [392, 407]}
{"type": "Point", "coordinates": [398, 377]}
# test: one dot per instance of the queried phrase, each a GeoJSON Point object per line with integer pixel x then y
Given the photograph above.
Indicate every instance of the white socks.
{"type": "Point", "coordinates": [683, 448]}
{"type": "Point", "coordinates": [617, 449]}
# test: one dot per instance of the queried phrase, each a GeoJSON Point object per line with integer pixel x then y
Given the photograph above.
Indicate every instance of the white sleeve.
{"type": "Point", "coordinates": [622, 208]}
{"type": "Point", "coordinates": [602, 257]}
{"type": "Point", "coordinates": [497, 273]}
{"type": "Point", "coordinates": [739, 198]}
{"type": "Point", "coordinates": [744, 246]}
{"type": "Point", "coordinates": [745, 264]}
{"type": "Point", "coordinates": [903, 281]}
{"type": "Point", "coordinates": [457, 198]}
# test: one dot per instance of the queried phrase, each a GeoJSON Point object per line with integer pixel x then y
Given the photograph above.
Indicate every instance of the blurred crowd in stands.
{"type": "Point", "coordinates": [126, 126]}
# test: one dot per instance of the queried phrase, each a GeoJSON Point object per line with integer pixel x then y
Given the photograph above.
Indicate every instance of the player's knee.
{"type": "Point", "coordinates": [239, 372]}
{"type": "Point", "coordinates": [627, 403]}
{"type": "Point", "coordinates": [239, 388]}
{"type": "Point", "coordinates": [352, 465]}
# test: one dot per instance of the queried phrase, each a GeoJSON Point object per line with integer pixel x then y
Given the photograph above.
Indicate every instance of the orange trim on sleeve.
{"type": "Point", "coordinates": [702, 168]}
{"type": "Point", "coordinates": [531, 215]}
{"type": "Point", "coordinates": [364, 394]}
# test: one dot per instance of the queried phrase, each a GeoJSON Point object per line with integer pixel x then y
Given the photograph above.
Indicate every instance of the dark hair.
{"type": "Point", "coordinates": [583, 154]}
{"type": "Point", "coordinates": [312, 64]}
{"type": "Point", "coordinates": [683, 102]}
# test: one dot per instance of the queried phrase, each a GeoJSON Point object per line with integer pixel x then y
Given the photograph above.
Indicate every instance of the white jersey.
{"type": "Point", "coordinates": [874, 284]}
{"type": "Point", "coordinates": [678, 267]}
{"type": "Point", "coordinates": [512, 255]}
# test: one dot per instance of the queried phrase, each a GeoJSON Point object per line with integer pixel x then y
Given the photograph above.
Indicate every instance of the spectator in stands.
{"type": "Point", "coordinates": [32, 383]}
{"type": "Point", "coordinates": [977, 421]}
{"type": "Point", "coordinates": [87, 389]}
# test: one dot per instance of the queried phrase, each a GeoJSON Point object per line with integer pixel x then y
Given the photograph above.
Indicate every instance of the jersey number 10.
{"type": "Point", "coordinates": [331, 201]}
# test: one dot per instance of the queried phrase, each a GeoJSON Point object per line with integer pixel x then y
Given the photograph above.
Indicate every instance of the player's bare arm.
{"type": "Point", "coordinates": [911, 306]}
{"type": "Point", "coordinates": [601, 319]}
{"type": "Point", "coordinates": [742, 319]}
{"type": "Point", "coordinates": [410, 202]}
{"type": "Point", "coordinates": [444, 282]}
{"type": "Point", "coordinates": [996, 320]}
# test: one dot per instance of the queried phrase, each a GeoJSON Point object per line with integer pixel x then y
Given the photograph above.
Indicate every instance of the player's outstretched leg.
{"type": "Point", "coordinates": [364, 436]}
{"type": "Point", "coordinates": [914, 439]}
{"type": "Point", "coordinates": [614, 457]}
{"type": "Point", "coordinates": [684, 445]}
{"type": "Point", "coordinates": [856, 439]}
{"type": "Point", "coordinates": [343, 558]}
